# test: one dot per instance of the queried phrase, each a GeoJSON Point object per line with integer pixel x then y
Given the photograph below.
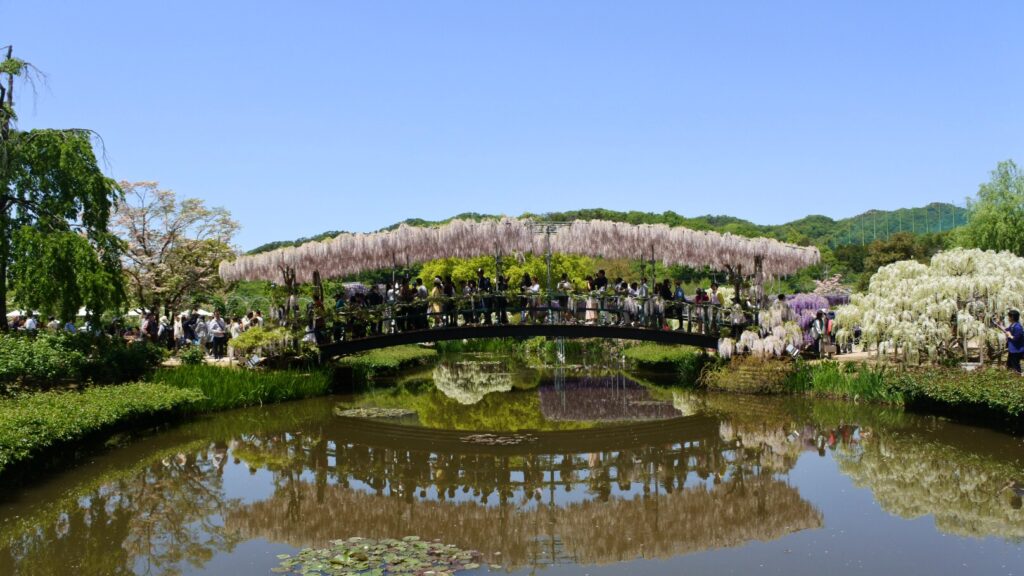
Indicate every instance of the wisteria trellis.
{"type": "Point", "coordinates": [349, 254]}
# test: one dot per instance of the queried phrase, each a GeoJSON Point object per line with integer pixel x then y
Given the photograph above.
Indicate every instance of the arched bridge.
{"type": "Point", "coordinates": [345, 347]}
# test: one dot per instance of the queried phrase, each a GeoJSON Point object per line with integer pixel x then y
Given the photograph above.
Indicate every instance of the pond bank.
{"type": "Point", "coordinates": [991, 395]}
{"type": "Point", "coordinates": [36, 426]}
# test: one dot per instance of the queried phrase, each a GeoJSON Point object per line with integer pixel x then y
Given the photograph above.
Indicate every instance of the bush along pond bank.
{"type": "Point", "coordinates": [684, 362]}
{"type": "Point", "coordinates": [991, 395]}
{"type": "Point", "coordinates": [358, 368]}
{"type": "Point", "coordinates": [37, 425]}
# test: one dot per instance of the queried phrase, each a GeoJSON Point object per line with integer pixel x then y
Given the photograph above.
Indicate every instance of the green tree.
{"type": "Point", "coordinates": [56, 253]}
{"type": "Point", "coordinates": [995, 219]}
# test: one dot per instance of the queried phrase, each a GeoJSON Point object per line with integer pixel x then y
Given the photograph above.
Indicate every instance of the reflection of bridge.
{"type": "Point", "coordinates": [653, 490]}
{"type": "Point", "coordinates": [345, 347]}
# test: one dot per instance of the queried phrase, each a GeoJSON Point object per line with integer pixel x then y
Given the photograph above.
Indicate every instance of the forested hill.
{"type": "Point", "coordinates": [815, 229]}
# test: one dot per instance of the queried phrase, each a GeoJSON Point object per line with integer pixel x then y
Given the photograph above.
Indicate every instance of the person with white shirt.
{"type": "Point", "coordinates": [218, 331]}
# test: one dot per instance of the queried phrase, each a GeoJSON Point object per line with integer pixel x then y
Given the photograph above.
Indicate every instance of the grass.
{"type": "Point", "coordinates": [845, 380]}
{"type": "Point", "coordinates": [32, 423]}
{"type": "Point", "coordinates": [386, 360]}
{"type": "Point", "coordinates": [225, 388]}
{"type": "Point", "coordinates": [685, 361]}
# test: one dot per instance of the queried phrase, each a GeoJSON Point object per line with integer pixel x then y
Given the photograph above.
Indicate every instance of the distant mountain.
{"type": "Point", "coordinates": [815, 229]}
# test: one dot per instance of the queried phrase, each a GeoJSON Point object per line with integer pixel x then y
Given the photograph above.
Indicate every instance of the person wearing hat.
{"type": "Point", "coordinates": [1014, 341]}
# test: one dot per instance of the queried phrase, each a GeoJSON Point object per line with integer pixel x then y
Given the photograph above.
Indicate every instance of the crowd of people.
{"type": "Point", "coordinates": [596, 300]}
{"type": "Point", "coordinates": [211, 332]}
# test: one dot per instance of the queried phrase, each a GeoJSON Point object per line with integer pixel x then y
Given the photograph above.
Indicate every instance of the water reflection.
{"type": "Point", "coordinates": [588, 398]}
{"type": "Point", "coordinates": [658, 488]}
{"type": "Point", "coordinates": [468, 382]}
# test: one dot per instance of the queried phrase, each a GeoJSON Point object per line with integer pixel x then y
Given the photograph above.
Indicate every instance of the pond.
{"type": "Point", "coordinates": [575, 471]}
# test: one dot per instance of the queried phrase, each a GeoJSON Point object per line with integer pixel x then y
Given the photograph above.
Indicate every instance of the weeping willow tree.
{"type": "Point", "coordinates": [56, 253]}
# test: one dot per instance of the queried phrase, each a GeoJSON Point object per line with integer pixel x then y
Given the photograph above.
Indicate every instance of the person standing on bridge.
{"type": "Point", "coordinates": [501, 300]}
{"type": "Point", "coordinates": [436, 300]}
{"type": "Point", "coordinates": [564, 289]}
{"type": "Point", "coordinates": [484, 287]}
{"type": "Point", "coordinates": [419, 309]}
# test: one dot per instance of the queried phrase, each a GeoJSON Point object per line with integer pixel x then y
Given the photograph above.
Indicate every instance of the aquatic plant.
{"type": "Point", "coordinates": [410, 555]}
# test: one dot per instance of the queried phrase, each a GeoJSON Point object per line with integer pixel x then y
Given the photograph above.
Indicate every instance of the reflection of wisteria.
{"type": "Point", "coordinates": [594, 398]}
{"type": "Point", "coordinates": [683, 492]}
{"type": "Point", "coordinates": [468, 382]}
{"type": "Point", "coordinates": [912, 476]}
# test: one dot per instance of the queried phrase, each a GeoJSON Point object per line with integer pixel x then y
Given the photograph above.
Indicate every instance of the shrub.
{"type": "Point", "coordinates": [991, 388]}
{"type": "Point", "coordinates": [228, 387]}
{"type": "Point", "coordinates": [32, 423]}
{"type": "Point", "coordinates": [267, 341]}
{"type": "Point", "coordinates": [39, 359]}
{"type": "Point", "coordinates": [51, 358]}
{"type": "Point", "coordinates": [749, 375]}
{"type": "Point", "coordinates": [685, 361]}
{"type": "Point", "coordinates": [386, 360]}
{"type": "Point", "coordinates": [191, 356]}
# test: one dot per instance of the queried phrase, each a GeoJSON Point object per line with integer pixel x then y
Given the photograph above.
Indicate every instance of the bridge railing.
{"type": "Point", "coordinates": [350, 322]}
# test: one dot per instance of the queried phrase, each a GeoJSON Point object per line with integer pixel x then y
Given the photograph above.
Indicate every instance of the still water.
{"type": "Point", "coordinates": [586, 472]}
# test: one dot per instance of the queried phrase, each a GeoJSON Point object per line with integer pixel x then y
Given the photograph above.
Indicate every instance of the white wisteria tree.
{"type": "Point", "coordinates": [936, 311]}
{"type": "Point", "coordinates": [173, 247]}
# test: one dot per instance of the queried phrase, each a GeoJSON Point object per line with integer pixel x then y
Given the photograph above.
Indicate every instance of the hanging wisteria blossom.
{"type": "Point", "coordinates": [938, 310]}
{"type": "Point", "coordinates": [349, 254]}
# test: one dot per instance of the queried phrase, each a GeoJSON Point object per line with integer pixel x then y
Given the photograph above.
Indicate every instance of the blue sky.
{"type": "Point", "coordinates": [301, 117]}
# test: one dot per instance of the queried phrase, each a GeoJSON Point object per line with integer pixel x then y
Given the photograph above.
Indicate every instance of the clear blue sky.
{"type": "Point", "coordinates": [301, 117]}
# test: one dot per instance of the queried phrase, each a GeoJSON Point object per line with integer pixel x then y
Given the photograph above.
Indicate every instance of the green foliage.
{"type": "Point", "coordinates": [226, 388]}
{"type": "Point", "coordinates": [41, 359]}
{"type": "Point", "coordinates": [996, 216]}
{"type": "Point", "coordinates": [685, 361]}
{"type": "Point", "coordinates": [993, 388]}
{"type": "Point", "coordinates": [749, 375]}
{"type": "Point", "coordinates": [844, 380]}
{"type": "Point", "coordinates": [464, 269]}
{"type": "Point", "coordinates": [37, 254]}
{"type": "Point", "coordinates": [386, 360]}
{"type": "Point", "coordinates": [752, 375]}
{"type": "Point", "coordinates": [32, 423]}
{"type": "Point", "coordinates": [361, 556]}
{"type": "Point", "coordinates": [191, 356]}
{"type": "Point", "coordinates": [259, 338]}
{"type": "Point", "coordinates": [46, 358]}
{"type": "Point", "coordinates": [53, 229]}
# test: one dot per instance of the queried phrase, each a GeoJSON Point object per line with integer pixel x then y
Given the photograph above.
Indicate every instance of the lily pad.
{"type": "Point", "coordinates": [363, 556]}
{"type": "Point", "coordinates": [373, 412]}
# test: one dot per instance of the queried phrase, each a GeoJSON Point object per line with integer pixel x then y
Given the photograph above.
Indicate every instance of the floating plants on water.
{"type": "Point", "coordinates": [498, 440]}
{"type": "Point", "coordinates": [372, 412]}
{"type": "Point", "coordinates": [363, 556]}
